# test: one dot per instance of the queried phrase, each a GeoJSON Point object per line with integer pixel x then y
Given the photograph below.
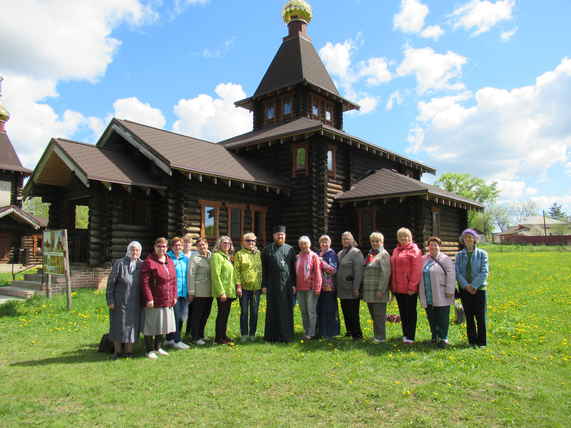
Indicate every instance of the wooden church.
{"type": "Point", "coordinates": [296, 167]}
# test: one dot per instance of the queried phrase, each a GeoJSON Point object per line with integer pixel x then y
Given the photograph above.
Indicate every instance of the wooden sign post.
{"type": "Point", "coordinates": [56, 259]}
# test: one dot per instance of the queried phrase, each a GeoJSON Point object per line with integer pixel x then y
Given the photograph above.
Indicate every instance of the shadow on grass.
{"type": "Point", "coordinates": [10, 309]}
{"type": "Point", "coordinates": [82, 355]}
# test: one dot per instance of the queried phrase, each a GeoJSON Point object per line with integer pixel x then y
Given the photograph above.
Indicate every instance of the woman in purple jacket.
{"type": "Point", "coordinates": [436, 290]}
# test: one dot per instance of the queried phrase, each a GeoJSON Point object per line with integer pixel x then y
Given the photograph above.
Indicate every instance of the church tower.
{"type": "Point", "coordinates": [296, 84]}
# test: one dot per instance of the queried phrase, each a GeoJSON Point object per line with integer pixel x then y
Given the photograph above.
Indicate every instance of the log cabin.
{"type": "Point", "coordinates": [297, 167]}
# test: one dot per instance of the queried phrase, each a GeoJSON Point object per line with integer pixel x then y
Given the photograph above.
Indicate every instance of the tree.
{"type": "Point", "coordinates": [520, 210]}
{"type": "Point", "coordinates": [469, 186]}
{"type": "Point", "coordinates": [474, 188]}
{"type": "Point", "coordinates": [36, 207]}
{"type": "Point", "coordinates": [556, 212]}
{"type": "Point", "coordinates": [499, 216]}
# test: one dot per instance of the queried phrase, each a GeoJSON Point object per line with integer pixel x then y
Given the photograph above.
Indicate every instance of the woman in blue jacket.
{"type": "Point", "coordinates": [472, 276]}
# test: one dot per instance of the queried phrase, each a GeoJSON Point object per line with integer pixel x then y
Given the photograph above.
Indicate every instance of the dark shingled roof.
{"type": "Point", "coordinates": [296, 61]}
{"type": "Point", "coordinates": [305, 126]}
{"type": "Point", "coordinates": [23, 217]}
{"type": "Point", "coordinates": [8, 158]}
{"type": "Point", "coordinates": [105, 165]}
{"type": "Point", "coordinates": [199, 156]}
{"type": "Point", "coordinates": [386, 183]}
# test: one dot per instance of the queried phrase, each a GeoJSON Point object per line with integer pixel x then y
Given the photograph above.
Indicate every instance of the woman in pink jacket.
{"type": "Point", "coordinates": [406, 268]}
{"type": "Point", "coordinates": [308, 281]}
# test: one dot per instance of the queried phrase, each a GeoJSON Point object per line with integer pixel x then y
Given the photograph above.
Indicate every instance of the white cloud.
{"type": "Point", "coordinates": [433, 71]}
{"type": "Point", "coordinates": [411, 16]}
{"type": "Point", "coordinates": [507, 35]}
{"type": "Point", "coordinates": [481, 15]}
{"type": "Point", "coordinates": [219, 52]}
{"type": "Point", "coordinates": [213, 119]}
{"type": "Point", "coordinates": [514, 189]}
{"type": "Point", "coordinates": [374, 71]}
{"type": "Point", "coordinates": [34, 123]}
{"type": "Point", "coordinates": [394, 99]}
{"type": "Point", "coordinates": [46, 41]}
{"type": "Point", "coordinates": [137, 111]}
{"type": "Point", "coordinates": [61, 39]}
{"type": "Point", "coordinates": [507, 135]}
{"type": "Point", "coordinates": [433, 32]}
{"type": "Point", "coordinates": [546, 201]}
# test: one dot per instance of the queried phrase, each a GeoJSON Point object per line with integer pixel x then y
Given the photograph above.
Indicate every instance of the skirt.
{"type": "Point", "coordinates": [159, 321]}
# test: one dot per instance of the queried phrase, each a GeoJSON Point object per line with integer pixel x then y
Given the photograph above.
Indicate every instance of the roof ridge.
{"type": "Point", "coordinates": [165, 130]}
{"type": "Point", "coordinates": [66, 140]}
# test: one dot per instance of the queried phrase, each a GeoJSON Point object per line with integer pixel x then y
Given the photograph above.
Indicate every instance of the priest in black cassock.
{"type": "Point", "coordinates": [278, 273]}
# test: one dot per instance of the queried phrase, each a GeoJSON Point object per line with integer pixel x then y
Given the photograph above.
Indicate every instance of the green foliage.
{"type": "Point", "coordinates": [469, 186]}
{"type": "Point", "coordinates": [556, 212]}
{"type": "Point", "coordinates": [36, 207]}
{"type": "Point", "coordinates": [81, 216]}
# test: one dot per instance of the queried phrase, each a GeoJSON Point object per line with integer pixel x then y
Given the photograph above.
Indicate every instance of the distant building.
{"type": "Point", "coordinates": [537, 230]}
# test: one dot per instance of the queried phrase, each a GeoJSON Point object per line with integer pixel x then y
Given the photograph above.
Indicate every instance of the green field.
{"type": "Point", "coordinates": [51, 374]}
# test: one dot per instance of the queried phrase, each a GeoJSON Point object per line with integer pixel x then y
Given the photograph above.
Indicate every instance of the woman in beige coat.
{"type": "Point", "coordinates": [436, 290]}
{"type": "Point", "coordinates": [348, 283]}
{"type": "Point", "coordinates": [376, 276]}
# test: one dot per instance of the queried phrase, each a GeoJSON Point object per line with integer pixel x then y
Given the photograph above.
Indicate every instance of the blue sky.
{"type": "Point", "coordinates": [478, 86]}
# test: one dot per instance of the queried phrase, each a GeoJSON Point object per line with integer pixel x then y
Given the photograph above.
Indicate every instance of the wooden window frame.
{"type": "Point", "coordinates": [215, 204]}
{"type": "Point", "coordinates": [436, 221]}
{"type": "Point", "coordinates": [333, 171]}
{"type": "Point", "coordinates": [264, 210]}
{"type": "Point", "coordinates": [360, 213]}
{"type": "Point", "coordinates": [295, 171]}
{"type": "Point", "coordinates": [284, 100]}
{"type": "Point", "coordinates": [267, 106]}
{"type": "Point", "coordinates": [242, 208]}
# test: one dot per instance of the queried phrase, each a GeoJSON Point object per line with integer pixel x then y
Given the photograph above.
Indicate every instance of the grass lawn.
{"type": "Point", "coordinates": [6, 277]}
{"type": "Point", "coordinates": [51, 374]}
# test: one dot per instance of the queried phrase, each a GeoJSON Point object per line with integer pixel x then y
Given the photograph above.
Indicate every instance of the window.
{"type": "Point", "coordinates": [331, 164]}
{"type": "Point", "coordinates": [259, 214]}
{"type": "Point", "coordinates": [236, 220]}
{"type": "Point", "coordinates": [436, 222]}
{"type": "Point", "coordinates": [315, 109]}
{"type": "Point", "coordinates": [366, 223]}
{"type": "Point", "coordinates": [5, 193]}
{"type": "Point", "coordinates": [270, 112]}
{"type": "Point", "coordinates": [81, 217]}
{"type": "Point", "coordinates": [210, 218]}
{"type": "Point", "coordinates": [328, 115]}
{"type": "Point", "coordinates": [287, 107]}
{"type": "Point", "coordinates": [300, 161]}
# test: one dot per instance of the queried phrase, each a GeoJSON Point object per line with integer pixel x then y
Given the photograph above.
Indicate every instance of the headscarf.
{"type": "Point", "coordinates": [132, 263]}
{"type": "Point", "coordinates": [470, 232]}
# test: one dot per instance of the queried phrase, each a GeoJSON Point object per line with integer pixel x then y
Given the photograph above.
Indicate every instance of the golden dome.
{"type": "Point", "coordinates": [297, 10]}
{"type": "Point", "coordinates": [4, 115]}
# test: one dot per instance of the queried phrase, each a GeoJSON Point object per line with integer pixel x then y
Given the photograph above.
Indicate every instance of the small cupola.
{"type": "Point", "coordinates": [4, 114]}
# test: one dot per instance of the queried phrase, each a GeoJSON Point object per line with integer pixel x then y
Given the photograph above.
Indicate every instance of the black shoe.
{"type": "Point", "coordinates": [129, 355]}
{"type": "Point", "coordinates": [348, 334]}
{"type": "Point", "coordinates": [116, 357]}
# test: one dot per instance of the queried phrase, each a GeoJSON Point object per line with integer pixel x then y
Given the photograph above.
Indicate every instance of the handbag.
{"type": "Point", "coordinates": [106, 345]}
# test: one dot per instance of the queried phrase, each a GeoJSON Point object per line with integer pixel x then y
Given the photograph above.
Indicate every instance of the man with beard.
{"type": "Point", "coordinates": [278, 282]}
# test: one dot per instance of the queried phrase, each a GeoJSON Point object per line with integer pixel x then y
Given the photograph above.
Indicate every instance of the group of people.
{"type": "Point", "coordinates": [175, 286]}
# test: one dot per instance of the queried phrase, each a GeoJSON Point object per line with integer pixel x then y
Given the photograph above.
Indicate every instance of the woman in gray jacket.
{"type": "Point", "coordinates": [376, 276]}
{"type": "Point", "coordinates": [199, 290]}
{"type": "Point", "coordinates": [124, 302]}
{"type": "Point", "coordinates": [436, 290]}
{"type": "Point", "coordinates": [349, 276]}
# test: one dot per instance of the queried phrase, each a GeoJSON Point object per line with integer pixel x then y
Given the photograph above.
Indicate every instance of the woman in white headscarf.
{"type": "Point", "coordinates": [123, 299]}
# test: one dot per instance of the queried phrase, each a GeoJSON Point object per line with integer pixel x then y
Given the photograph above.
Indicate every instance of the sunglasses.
{"type": "Point", "coordinates": [249, 240]}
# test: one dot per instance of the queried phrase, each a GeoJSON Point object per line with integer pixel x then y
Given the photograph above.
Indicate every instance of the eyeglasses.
{"type": "Point", "coordinates": [249, 240]}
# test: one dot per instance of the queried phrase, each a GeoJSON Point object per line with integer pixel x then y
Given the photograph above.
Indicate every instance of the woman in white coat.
{"type": "Point", "coordinates": [436, 290]}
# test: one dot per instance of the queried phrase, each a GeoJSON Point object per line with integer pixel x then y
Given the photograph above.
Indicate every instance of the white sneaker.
{"type": "Point", "coordinates": [152, 355]}
{"type": "Point", "coordinates": [407, 340]}
{"type": "Point", "coordinates": [161, 351]}
{"type": "Point", "coordinates": [375, 340]}
{"type": "Point", "coordinates": [180, 345]}
{"type": "Point", "coordinates": [169, 343]}
{"type": "Point", "coordinates": [244, 338]}
{"type": "Point", "coordinates": [200, 342]}
{"type": "Point", "coordinates": [253, 338]}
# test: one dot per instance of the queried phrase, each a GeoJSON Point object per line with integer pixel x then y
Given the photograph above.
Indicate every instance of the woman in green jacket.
{"type": "Point", "coordinates": [223, 285]}
{"type": "Point", "coordinates": [248, 273]}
